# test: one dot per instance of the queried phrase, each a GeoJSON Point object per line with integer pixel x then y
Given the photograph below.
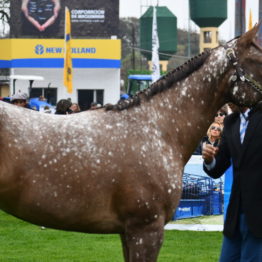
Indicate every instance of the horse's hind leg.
{"type": "Point", "coordinates": [142, 243]}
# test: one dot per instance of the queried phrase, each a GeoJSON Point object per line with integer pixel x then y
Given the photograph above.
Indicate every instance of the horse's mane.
{"type": "Point", "coordinates": [165, 82]}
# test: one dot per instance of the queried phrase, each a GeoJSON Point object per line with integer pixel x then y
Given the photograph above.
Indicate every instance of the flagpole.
{"type": "Point", "coordinates": [250, 22]}
{"type": "Point", "coordinates": [259, 19]}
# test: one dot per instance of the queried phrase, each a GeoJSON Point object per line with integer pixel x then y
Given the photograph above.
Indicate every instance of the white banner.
{"type": "Point", "coordinates": [155, 47]}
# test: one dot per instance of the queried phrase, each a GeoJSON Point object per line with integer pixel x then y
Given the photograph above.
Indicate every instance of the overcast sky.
{"type": "Point", "coordinates": [179, 8]}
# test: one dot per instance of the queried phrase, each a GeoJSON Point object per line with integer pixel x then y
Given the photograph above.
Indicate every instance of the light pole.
{"type": "Point", "coordinates": [259, 19]}
{"type": "Point", "coordinates": [188, 33]}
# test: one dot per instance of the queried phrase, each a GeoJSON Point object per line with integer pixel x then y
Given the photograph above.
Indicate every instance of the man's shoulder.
{"type": "Point", "coordinates": [231, 118]}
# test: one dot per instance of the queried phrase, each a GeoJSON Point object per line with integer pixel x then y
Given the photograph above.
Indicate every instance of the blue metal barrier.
{"type": "Point", "coordinates": [201, 196]}
{"type": "Point", "coordinates": [190, 208]}
{"type": "Point", "coordinates": [227, 188]}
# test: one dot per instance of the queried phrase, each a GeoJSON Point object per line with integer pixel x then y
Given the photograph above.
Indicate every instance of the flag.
{"type": "Point", "coordinates": [68, 59]}
{"type": "Point", "coordinates": [250, 23]}
{"type": "Point", "coordinates": [155, 47]}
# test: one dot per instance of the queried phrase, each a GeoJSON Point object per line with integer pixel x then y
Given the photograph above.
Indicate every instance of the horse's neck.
{"type": "Point", "coordinates": [186, 110]}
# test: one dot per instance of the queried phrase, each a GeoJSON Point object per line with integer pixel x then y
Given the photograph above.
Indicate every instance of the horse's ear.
{"type": "Point", "coordinates": [249, 36]}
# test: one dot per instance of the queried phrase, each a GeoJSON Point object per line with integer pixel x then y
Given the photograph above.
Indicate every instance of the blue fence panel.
{"type": "Point", "coordinates": [190, 208]}
{"type": "Point", "coordinates": [227, 188]}
{"type": "Point", "coordinates": [201, 196]}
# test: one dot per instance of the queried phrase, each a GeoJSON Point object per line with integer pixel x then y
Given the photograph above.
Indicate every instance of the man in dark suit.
{"type": "Point", "coordinates": [241, 145]}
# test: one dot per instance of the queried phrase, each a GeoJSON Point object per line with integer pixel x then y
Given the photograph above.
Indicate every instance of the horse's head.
{"type": "Point", "coordinates": [245, 56]}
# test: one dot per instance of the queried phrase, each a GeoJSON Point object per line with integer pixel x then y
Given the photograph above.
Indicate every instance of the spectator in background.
{"type": "Point", "coordinates": [94, 105]}
{"type": "Point", "coordinates": [213, 137]}
{"type": "Point", "coordinates": [42, 98]}
{"type": "Point", "coordinates": [75, 108]}
{"type": "Point", "coordinates": [219, 118]}
{"type": "Point", "coordinates": [20, 99]}
{"type": "Point", "coordinates": [221, 114]}
{"type": "Point", "coordinates": [213, 134]}
{"type": "Point", "coordinates": [6, 99]}
{"type": "Point", "coordinates": [63, 107]}
{"type": "Point", "coordinates": [47, 110]}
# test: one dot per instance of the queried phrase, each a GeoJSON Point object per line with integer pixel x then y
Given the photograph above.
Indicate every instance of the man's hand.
{"type": "Point", "coordinates": [208, 153]}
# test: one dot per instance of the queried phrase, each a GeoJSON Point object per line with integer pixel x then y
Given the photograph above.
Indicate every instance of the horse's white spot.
{"type": "Point", "coordinates": [169, 191]}
{"type": "Point", "coordinates": [173, 186]}
{"type": "Point", "coordinates": [55, 194]}
{"type": "Point", "coordinates": [235, 89]}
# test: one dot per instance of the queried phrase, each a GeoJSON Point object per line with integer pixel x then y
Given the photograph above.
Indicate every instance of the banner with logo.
{"type": "Point", "coordinates": [45, 18]}
{"type": "Point", "coordinates": [49, 53]}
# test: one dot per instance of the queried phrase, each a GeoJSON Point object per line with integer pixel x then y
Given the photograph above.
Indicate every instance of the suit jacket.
{"type": "Point", "coordinates": [246, 194]}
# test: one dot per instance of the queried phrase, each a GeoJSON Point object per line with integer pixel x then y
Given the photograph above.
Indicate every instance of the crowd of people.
{"type": "Point", "coordinates": [214, 132]}
{"type": "Point", "coordinates": [63, 106]}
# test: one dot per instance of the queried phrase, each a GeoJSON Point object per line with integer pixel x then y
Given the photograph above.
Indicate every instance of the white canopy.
{"type": "Point", "coordinates": [26, 77]}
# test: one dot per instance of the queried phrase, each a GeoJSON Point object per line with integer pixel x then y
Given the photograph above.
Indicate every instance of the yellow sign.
{"type": "Point", "coordinates": [50, 52]}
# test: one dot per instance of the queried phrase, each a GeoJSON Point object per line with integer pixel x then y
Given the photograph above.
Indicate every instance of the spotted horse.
{"type": "Point", "coordinates": [119, 169]}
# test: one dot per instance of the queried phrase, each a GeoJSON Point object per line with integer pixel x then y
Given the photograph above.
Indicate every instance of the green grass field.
{"type": "Point", "coordinates": [23, 242]}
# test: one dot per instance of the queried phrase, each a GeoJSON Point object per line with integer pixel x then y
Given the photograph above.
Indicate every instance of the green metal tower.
{"type": "Point", "coordinates": [208, 15]}
{"type": "Point", "coordinates": [167, 32]}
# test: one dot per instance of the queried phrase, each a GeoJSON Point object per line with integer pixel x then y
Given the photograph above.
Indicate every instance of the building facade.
{"type": "Point", "coordinates": [96, 69]}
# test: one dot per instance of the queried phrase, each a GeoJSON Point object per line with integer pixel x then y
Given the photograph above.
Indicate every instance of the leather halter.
{"type": "Point", "coordinates": [239, 74]}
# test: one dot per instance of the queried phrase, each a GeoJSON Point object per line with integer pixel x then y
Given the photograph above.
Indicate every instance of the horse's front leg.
{"type": "Point", "coordinates": [142, 243]}
{"type": "Point", "coordinates": [125, 247]}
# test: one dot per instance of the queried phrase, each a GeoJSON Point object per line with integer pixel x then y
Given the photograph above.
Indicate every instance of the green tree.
{"type": "Point", "coordinates": [131, 56]}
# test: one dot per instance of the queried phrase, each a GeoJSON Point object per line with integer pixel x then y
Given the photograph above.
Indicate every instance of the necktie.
{"type": "Point", "coordinates": [243, 125]}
